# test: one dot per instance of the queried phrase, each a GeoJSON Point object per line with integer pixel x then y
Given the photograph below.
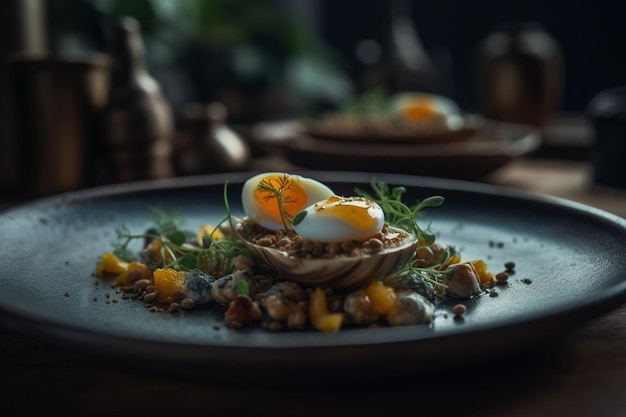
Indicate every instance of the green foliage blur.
{"type": "Point", "coordinates": [257, 52]}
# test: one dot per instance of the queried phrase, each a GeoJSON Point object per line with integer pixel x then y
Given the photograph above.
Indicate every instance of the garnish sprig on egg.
{"type": "Point", "coordinates": [270, 191]}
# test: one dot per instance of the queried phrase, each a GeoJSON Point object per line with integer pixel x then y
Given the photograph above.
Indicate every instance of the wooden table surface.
{"type": "Point", "coordinates": [580, 374]}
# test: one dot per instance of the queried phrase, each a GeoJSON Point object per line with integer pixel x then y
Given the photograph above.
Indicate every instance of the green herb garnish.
{"type": "Point", "coordinates": [280, 193]}
{"type": "Point", "coordinates": [243, 287]}
{"type": "Point", "coordinates": [397, 213]}
{"type": "Point", "coordinates": [179, 248]}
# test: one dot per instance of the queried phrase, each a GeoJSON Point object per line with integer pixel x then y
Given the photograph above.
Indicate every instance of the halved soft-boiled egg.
{"type": "Point", "coordinates": [264, 195]}
{"type": "Point", "coordinates": [422, 107]}
{"type": "Point", "coordinates": [340, 219]}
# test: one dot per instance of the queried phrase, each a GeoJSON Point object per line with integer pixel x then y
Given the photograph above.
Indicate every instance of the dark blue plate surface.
{"type": "Point", "coordinates": [570, 268]}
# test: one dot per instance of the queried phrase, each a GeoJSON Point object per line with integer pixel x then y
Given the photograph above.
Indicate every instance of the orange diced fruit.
{"type": "Point", "coordinates": [454, 259]}
{"type": "Point", "coordinates": [111, 264]}
{"type": "Point", "coordinates": [382, 297]}
{"type": "Point", "coordinates": [168, 282]}
{"type": "Point", "coordinates": [321, 318]}
{"type": "Point", "coordinates": [484, 276]}
{"type": "Point", "coordinates": [156, 247]}
{"type": "Point", "coordinates": [137, 270]}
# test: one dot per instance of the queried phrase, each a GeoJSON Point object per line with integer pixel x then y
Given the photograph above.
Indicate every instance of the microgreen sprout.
{"type": "Point", "coordinates": [397, 213]}
{"type": "Point", "coordinates": [243, 287]}
{"type": "Point", "coordinates": [400, 215]}
{"type": "Point", "coordinates": [433, 274]}
{"type": "Point", "coordinates": [178, 248]}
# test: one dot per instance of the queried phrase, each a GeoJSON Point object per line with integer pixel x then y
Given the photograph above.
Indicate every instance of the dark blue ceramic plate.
{"type": "Point", "coordinates": [570, 267]}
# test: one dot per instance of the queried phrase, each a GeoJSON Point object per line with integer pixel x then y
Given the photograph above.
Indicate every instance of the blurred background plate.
{"type": "Point", "coordinates": [363, 130]}
{"type": "Point", "coordinates": [481, 153]}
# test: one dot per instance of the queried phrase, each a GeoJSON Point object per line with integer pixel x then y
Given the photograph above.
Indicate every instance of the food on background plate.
{"type": "Point", "coordinates": [301, 257]}
{"type": "Point", "coordinates": [423, 107]}
{"type": "Point", "coordinates": [407, 116]}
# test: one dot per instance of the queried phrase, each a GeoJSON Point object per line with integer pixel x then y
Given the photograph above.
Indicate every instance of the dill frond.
{"type": "Point", "coordinates": [270, 191]}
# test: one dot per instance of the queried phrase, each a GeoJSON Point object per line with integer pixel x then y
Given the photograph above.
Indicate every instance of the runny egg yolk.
{"type": "Point", "coordinates": [356, 211]}
{"type": "Point", "coordinates": [340, 219]}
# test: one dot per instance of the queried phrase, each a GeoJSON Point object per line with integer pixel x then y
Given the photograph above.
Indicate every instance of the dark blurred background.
{"type": "Point", "coordinates": [280, 59]}
{"type": "Point", "coordinates": [277, 41]}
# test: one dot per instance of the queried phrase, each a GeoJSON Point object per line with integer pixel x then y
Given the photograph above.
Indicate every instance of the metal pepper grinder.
{"type": "Point", "coordinates": [138, 123]}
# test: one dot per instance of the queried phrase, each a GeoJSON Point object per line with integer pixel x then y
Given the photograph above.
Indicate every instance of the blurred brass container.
{"type": "Point", "coordinates": [520, 74]}
{"type": "Point", "coordinates": [56, 102]}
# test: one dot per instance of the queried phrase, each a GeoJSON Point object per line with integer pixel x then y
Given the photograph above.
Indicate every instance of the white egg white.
{"type": "Point", "coordinates": [255, 212]}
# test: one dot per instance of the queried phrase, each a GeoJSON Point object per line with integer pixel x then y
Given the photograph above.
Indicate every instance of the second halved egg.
{"type": "Point", "coordinates": [340, 219]}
